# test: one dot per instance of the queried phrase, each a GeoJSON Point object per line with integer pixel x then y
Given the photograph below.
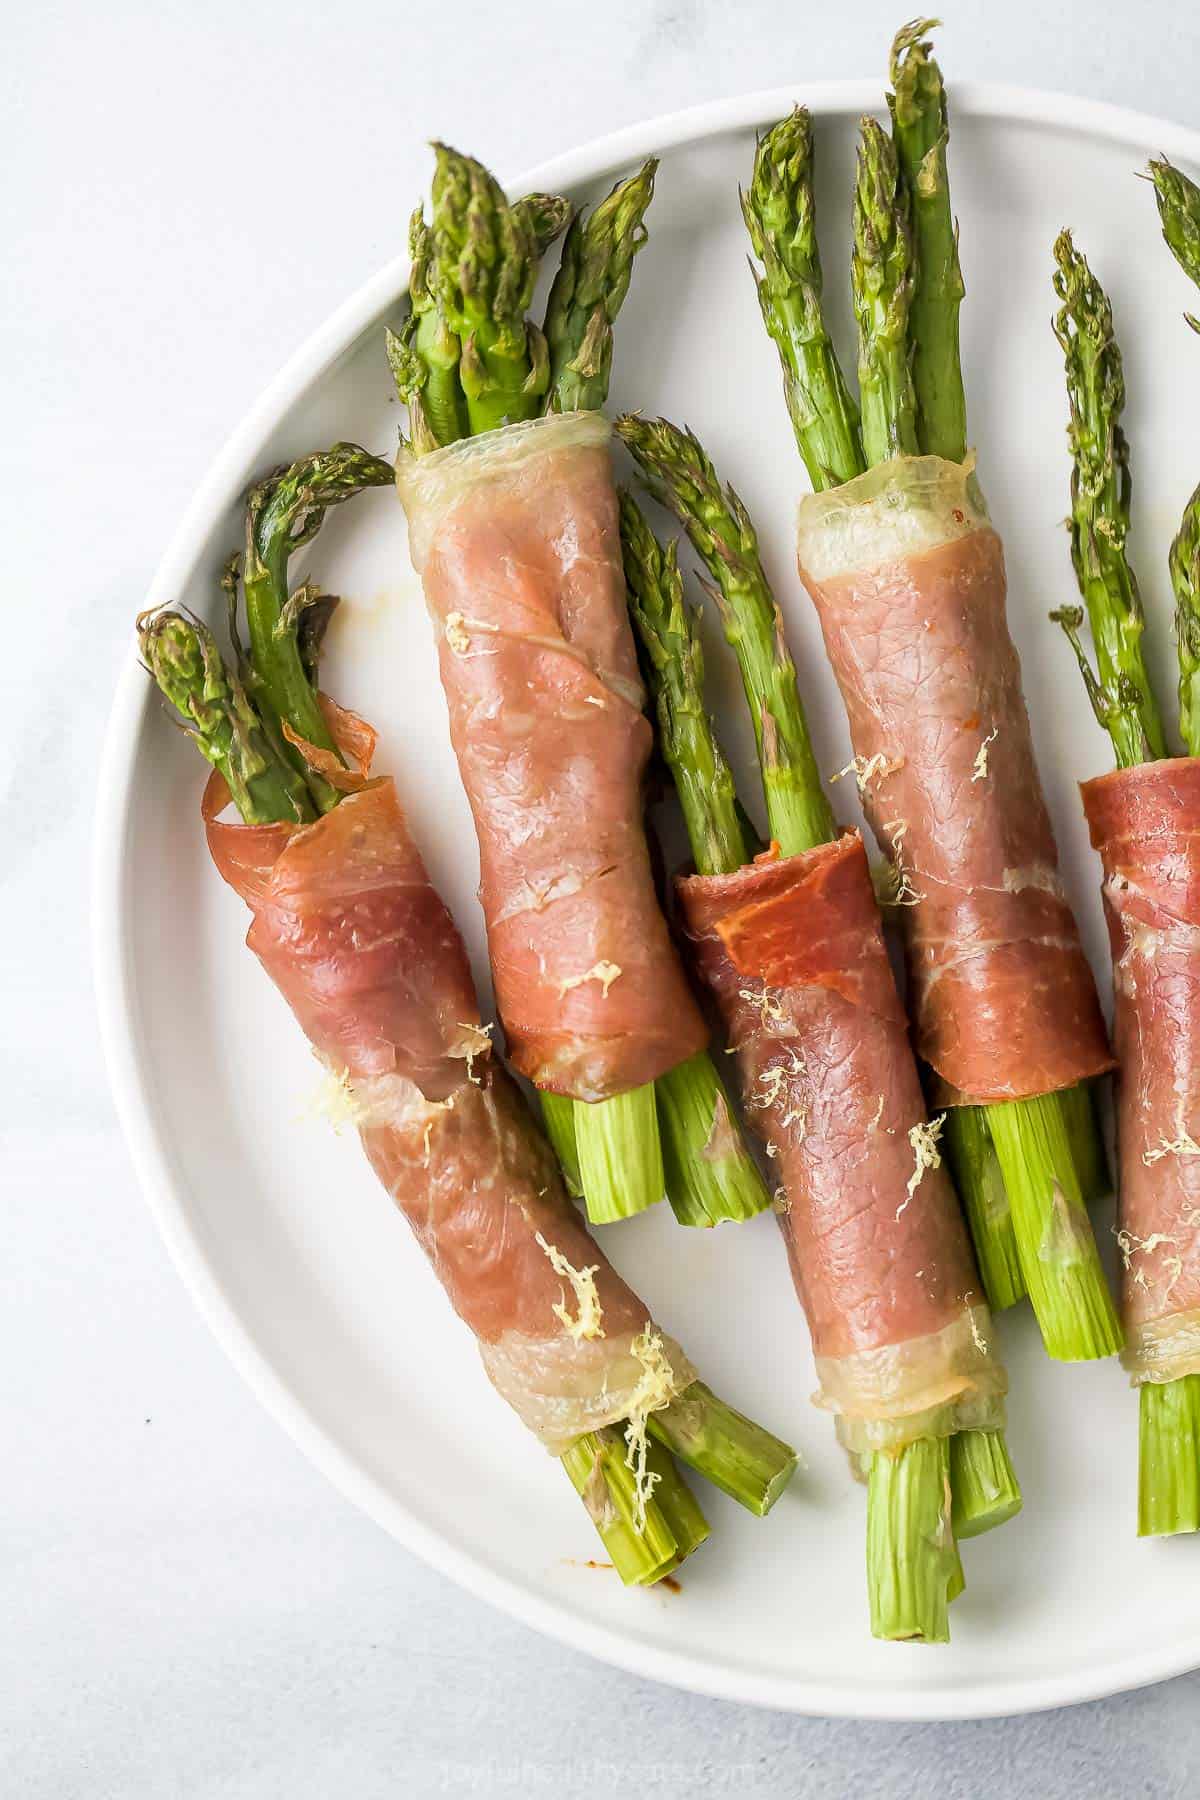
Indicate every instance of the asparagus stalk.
{"type": "Point", "coordinates": [881, 284]}
{"type": "Point", "coordinates": [646, 1539]}
{"type": "Point", "coordinates": [980, 1182]}
{"type": "Point", "coordinates": [780, 217]}
{"type": "Point", "coordinates": [983, 1483]}
{"type": "Point", "coordinates": [1178, 200]}
{"type": "Point", "coordinates": [546, 217]}
{"type": "Point", "coordinates": [921, 130]}
{"type": "Point", "coordinates": [589, 290]}
{"type": "Point", "coordinates": [692, 1099]}
{"type": "Point", "coordinates": [1169, 1457]}
{"type": "Point", "coordinates": [620, 1154]}
{"type": "Point", "coordinates": [558, 1116]}
{"type": "Point", "coordinates": [485, 266]}
{"type": "Point", "coordinates": [682, 477]}
{"type": "Point", "coordinates": [913, 1567]}
{"type": "Point", "coordinates": [746, 1462]}
{"type": "Point", "coordinates": [1101, 488]}
{"type": "Point", "coordinates": [670, 636]}
{"type": "Point", "coordinates": [424, 354]}
{"type": "Point", "coordinates": [284, 512]}
{"type": "Point", "coordinates": [1185, 581]}
{"type": "Point", "coordinates": [182, 655]}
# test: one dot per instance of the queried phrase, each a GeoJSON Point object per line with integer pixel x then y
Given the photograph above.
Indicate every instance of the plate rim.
{"type": "Point", "coordinates": [112, 960]}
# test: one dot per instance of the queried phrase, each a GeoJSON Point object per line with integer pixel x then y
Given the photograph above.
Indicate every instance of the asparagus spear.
{"type": "Point", "coordinates": [1185, 581]}
{"type": "Point", "coordinates": [921, 129]}
{"type": "Point", "coordinates": [182, 655]}
{"type": "Point", "coordinates": [589, 290]}
{"type": "Point", "coordinates": [1101, 488]}
{"type": "Point", "coordinates": [484, 267]}
{"type": "Point", "coordinates": [682, 477]}
{"type": "Point", "coordinates": [1169, 1457]}
{"type": "Point", "coordinates": [1179, 210]}
{"type": "Point", "coordinates": [780, 217]}
{"type": "Point", "coordinates": [284, 512]}
{"type": "Point", "coordinates": [670, 637]}
{"type": "Point", "coordinates": [546, 216]}
{"type": "Point", "coordinates": [881, 284]}
{"type": "Point", "coordinates": [424, 354]}
{"type": "Point", "coordinates": [901, 1499]}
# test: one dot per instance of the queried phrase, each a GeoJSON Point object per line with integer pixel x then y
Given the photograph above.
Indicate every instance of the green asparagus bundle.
{"type": "Point", "coordinates": [1155, 1026]}
{"type": "Point", "coordinates": [933, 1488]}
{"type": "Point", "coordinates": [259, 720]}
{"type": "Point", "coordinates": [1018, 1162]}
{"type": "Point", "coordinates": [466, 360]}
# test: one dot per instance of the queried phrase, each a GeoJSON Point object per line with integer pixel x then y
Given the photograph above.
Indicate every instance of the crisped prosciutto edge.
{"type": "Point", "coordinates": [560, 1386]}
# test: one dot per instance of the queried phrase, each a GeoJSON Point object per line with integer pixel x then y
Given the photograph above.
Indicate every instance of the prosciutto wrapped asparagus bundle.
{"type": "Point", "coordinates": [350, 930]}
{"type": "Point", "coordinates": [907, 574]}
{"type": "Point", "coordinates": [507, 484]}
{"type": "Point", "coordinates": [790, 946]}
{"type": "Point", "coordinates": [1144, 819]}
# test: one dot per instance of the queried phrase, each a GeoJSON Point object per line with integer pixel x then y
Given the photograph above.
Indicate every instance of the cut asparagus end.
{"type": "Point", "coordinates": [986, 1204]}
{"type": "Point", "coordinates": [677, 1503]}
{"type": "Point", "coordinates": [983, 1484]}
{"type": "Point", "coordinates": [745, 1461]}
{"type": "Point", "coordinates": [1169, 1457]}
{"type": "Point", "coordinates": [1059, 1259]}
{"type": "Point", "coordinates": [710, 1173]}
{"type": "Point", "coordinates": [558, 1116]}
{"type": "Point", "coordinates": [620, 1154]}
{"type": "Point", "coordinates": [643, 1548]}
{"type": "Point", "coordinates": [1087, 1142]}
{"type": "Point", "coordinates": [913, 1567]}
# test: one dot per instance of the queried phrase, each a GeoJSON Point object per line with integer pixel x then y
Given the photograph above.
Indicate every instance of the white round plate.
{"type": "Point", "coordinates": [312, 1282]}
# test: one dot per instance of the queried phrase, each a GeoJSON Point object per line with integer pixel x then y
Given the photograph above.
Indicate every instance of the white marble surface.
{"type": "Point", "coordinates": [187, 1609]}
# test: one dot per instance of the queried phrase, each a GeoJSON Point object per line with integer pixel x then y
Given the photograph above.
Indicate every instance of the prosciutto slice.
{"type": "Point", "coordinates": [351, 932]}
{"type": "Point", "coordinates": [792, 950]}
{"type": "Point", "coordinates": [516, 537]}
{"type": "Point", "coordinates": [1145, 822]}
{"type": "Point", "coordinates": [908, 579]}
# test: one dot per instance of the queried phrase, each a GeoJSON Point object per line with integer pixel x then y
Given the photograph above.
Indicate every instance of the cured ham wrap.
{"type": "Point", "coordinates": [348, 927]}
{"type": "Point", "coordinates": [792, 950]}
{"type": "Point", "coordinates": [346, 924]}
{"type": "Point", "coordinates": [1145, 823]}
{"type": "Point", "coordinates": [788, 943]}
{"type": "Point", "coordinates": [516, 539]}
{"type": "Point", "coordinates": [907, 574]}
{"type": "Point", "coordinates": [1144, 820]}
{"type": "Point", "coordinates": [507, 484]}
